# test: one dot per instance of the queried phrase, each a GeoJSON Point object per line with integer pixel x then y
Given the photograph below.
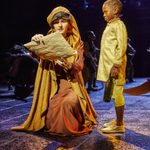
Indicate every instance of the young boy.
{"type": "Point", "coordinates": [112, 63]}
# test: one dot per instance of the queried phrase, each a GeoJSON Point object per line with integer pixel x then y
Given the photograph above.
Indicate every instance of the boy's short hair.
{"type": "Point", "coordinates": [114, 3]}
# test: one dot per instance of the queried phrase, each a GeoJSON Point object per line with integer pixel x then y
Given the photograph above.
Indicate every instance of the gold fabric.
{"type": "Point", "coordinates": [117, 95]}
{"type": "Point", "coordinates": [113, 51]}
{"type": "Point", "coordinates": [46, 83]}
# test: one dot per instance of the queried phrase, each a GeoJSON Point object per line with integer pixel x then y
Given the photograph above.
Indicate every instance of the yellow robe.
{"type": "Point", "coordinates": [113, 51]}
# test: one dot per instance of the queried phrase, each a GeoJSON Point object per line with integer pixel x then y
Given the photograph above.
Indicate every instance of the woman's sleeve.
{"type": "Point", "coordinates": [78, 65]}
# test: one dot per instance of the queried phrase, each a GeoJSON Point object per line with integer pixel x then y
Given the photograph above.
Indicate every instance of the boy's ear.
{"type": "Point", "coordinates": [116, 10]}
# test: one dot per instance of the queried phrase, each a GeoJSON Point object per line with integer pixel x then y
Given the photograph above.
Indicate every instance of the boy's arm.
{"type": "Point", "coordinates": [121, 48]}
{"type": "Point", "coordinates": [121, 35]}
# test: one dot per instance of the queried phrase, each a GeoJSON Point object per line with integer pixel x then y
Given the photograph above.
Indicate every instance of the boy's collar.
{"type": "Point", "coordinates": [112, 20]}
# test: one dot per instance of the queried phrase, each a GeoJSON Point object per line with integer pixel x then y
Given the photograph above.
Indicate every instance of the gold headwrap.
{"type": "Point", "coordinates": [74, 37]}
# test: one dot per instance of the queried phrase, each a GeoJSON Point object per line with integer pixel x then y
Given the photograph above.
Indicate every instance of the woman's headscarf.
{"type": "Point", "coordinates": [74, 37]}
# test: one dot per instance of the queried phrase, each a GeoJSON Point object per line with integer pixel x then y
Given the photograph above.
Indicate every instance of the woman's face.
{"type": "Point", "coordinates": [61, 25]}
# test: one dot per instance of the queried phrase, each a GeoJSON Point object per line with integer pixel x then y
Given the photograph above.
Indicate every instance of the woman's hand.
{"type": "Point", "coordinates": [37, 38]}
{"type": "Point", "coordinates": [64, 63]}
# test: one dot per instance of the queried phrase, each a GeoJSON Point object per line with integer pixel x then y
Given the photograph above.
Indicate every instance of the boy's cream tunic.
{"type": "Point", "coordinates": [113, 51]}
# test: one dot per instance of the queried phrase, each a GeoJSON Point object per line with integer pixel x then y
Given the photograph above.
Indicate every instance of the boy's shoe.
{"type": "Point", "coordinates": [110, 123]}
{"type": "Point", "coordinates": [114, 129]}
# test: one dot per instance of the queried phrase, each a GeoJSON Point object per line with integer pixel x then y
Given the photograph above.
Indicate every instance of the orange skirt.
{"type": "Point", "coordinates": [64, 116]}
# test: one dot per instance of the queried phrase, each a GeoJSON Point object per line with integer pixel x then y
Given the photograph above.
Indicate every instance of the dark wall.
{"type": "Point", "coordinates": [137, 19]}
{"type": "Point", "coordinates": [21, 19]}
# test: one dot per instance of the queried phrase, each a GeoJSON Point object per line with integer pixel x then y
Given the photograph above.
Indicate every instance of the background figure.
{"type": "Point", "coordinates": [130, 67]}
{"type": "Point", "coordinates": [148, 50]}
{"type": "Point", "coordinates": [91, 55]}
{"type": "Point", "coordinates": [18, 69]}
{"type": "Point", "coordinates": [61, 105]}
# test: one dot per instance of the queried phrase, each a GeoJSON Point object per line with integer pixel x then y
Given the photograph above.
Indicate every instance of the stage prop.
{"type": "Point", "coordinates": [52, 47]}
{"type": "Point", "coordinates": [138, 90]}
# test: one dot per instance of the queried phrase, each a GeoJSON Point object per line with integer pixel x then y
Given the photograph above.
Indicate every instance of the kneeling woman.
{"type": "Point", "coordinates": [61, 105]}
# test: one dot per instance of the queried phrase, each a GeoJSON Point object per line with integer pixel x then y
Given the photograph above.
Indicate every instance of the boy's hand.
{"type": "Point", "coordinates": [114, 72]}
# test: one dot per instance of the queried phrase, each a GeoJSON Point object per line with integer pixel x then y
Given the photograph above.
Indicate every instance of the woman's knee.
{"type": "Point", "coordinates": [70, 99]}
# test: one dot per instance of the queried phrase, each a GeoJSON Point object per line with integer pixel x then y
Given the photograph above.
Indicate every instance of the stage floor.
{"type": "Point", "coordinates": [137, 121]}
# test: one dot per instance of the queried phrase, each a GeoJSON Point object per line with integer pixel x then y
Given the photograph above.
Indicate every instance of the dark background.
{"type": "Point", "coordinates": [21, 19]}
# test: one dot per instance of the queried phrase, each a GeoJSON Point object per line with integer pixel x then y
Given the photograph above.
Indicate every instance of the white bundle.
{"type": "Point", "coordinates": [53, 46]}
